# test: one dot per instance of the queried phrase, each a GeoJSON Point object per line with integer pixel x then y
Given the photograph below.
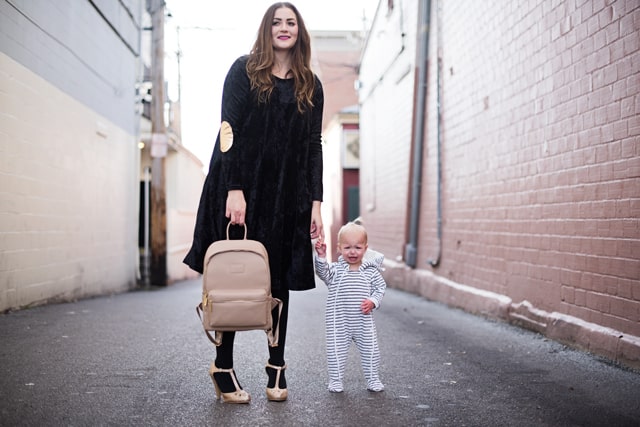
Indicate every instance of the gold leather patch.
{"type": "Point", "coordinates": [226, 136]}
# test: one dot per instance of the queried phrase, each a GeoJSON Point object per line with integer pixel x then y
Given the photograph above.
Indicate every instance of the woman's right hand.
{"type": "Point", "coordinates": [236, 207]}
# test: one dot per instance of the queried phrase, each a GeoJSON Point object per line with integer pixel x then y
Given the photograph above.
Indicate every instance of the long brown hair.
{"type": "Point", "coordinates": [262, 57]}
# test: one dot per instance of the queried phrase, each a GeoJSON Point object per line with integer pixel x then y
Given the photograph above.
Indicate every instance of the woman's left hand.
{"type": "Point", "coordinates": [317, 230]}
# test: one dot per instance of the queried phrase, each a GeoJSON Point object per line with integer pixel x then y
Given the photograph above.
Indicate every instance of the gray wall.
{"type": "Point", "coordinates": [88, 49]}
{"type": "Point", "coordinates": [69, 149]}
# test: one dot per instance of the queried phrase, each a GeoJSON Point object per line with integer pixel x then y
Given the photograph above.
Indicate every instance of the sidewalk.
{"type": "Point", "coordinates": [141, 359]}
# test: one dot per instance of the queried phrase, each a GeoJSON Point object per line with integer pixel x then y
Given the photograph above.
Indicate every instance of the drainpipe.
{"type": "Point", "coordinates": [434, 262]}
{"type": "Point", "coordinates": [422, 56]}
{"type": "Point", "coordinates": [146, 253]}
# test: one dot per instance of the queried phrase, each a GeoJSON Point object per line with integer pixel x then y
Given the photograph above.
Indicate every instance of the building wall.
{"type": "Point", "coordinates": [183, 196]}
{"type": "Point", "coordinates": [68, 217]}
{"type": "Point", "coordinates": [386, 98]}
{"type": "Point", "coordinates": [336, 178]}
{"type": "Point", "coordinates": [540, 179]}
{"type": "Point", "coordinates": [336, 56]}
{"type": "Point", "coordinates": [332, 182]}
{"type": "Point", "coordinates": [88, 50]}
{"type": "Point", "coordinates": [69, 196]}
{"type": "Point", "coordinates": [335, 59]}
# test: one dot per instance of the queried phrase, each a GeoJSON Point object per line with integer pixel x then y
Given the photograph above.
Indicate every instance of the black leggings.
{"type": "Point", "coordinates": [224, 352]}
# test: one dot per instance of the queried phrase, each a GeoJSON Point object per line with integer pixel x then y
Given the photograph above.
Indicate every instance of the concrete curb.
{"type": "Point", "coordinates": [619, 348]}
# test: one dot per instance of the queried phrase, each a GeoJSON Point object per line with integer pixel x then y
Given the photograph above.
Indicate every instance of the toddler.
{"type": "Point", "coordinates": [356, 287]}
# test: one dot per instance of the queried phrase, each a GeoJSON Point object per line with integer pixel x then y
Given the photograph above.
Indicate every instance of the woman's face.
{"type": "Point", "coordinates": [284, 29]}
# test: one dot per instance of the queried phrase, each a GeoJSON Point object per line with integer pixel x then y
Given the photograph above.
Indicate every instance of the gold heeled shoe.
{"type": "Point", "coordinates": [277, 394]}
{"type": "Point", "coordinates": [237, 396]}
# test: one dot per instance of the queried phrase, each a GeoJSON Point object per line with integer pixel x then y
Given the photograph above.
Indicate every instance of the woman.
{"type": "Point", "coordinates": [269, 176]}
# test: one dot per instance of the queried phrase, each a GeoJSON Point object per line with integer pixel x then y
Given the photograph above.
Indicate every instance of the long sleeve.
{"type": "Point", "coordinates": [324, 270]}
{"type": "Point", "coordinates": [315, 144]}
{"type": "Point", "coordinates": [378, 287]}
{"type": "Point", "coordinates": [235, 95]}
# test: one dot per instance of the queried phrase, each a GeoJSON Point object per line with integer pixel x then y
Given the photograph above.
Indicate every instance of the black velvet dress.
{"type": "Point", "coordinates": [276, 159]}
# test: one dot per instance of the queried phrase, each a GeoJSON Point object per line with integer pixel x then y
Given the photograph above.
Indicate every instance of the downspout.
{"type": "Point", "coordinates": [422, 56]}
{"type": "Point", "coordinates": [434, 262]}
{"type": "Point", "coordinates": [146, 252]}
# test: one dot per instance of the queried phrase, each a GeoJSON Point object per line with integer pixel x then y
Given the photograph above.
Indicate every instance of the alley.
{"type": "Point", "coordinates": [141, 359]}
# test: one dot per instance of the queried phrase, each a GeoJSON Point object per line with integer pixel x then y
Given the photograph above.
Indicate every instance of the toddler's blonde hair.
{"type": "Point", "coordinates": [355, 227]}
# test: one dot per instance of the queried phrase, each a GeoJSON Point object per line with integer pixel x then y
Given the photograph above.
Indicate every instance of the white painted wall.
{"type": "Point", "coordinates": [386, 98]}
{"type": "Point", "coordinates": [68, 195]}
{"type": "Point", "coordinates": [183, 195]}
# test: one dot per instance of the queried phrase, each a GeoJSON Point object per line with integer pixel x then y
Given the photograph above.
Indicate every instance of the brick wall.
{"type": "Point", "coordinates": [541, 166]}
{"type": "Point", "coordinates": [69, 196]}
{"type": "Point", "coordinates": [68, 144]}
{"type": "Point", "coordinates": [386, 97]}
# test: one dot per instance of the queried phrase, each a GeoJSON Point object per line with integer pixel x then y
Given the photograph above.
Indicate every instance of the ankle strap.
{"type": "Point", "coordinates": [277, 368]}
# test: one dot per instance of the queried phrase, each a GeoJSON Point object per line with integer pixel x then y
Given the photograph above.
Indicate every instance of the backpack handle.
{"type": "Point", "coordinates": [243, 225]}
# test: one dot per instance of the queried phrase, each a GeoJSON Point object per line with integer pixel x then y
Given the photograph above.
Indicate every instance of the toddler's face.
{"type": "Point", "coordinates": [352, 247]}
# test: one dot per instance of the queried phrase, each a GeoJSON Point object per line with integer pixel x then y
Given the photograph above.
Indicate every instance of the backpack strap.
{"type": "Point", "coordinates": [218, 339]}
{"type": "Point", "coordinates": [273, 334]}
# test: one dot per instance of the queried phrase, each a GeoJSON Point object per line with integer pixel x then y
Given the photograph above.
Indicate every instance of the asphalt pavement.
{"type": "Point", "coordinates": [141, 359]}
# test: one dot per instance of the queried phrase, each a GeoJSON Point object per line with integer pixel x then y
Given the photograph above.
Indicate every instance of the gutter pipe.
{"type": "Point", "coordinates": [434, 262]}
{"type": "Point", "coordinates": [424, 10]}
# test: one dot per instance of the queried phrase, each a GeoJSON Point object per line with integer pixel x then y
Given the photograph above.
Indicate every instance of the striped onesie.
{"type": "Point", "coordinates": [344, 319]}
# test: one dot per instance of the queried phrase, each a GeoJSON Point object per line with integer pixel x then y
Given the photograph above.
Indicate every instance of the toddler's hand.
{"type": "Point", "coordinates": [366, 306]}
{"type": "Point", "coordinates": [321, 249]}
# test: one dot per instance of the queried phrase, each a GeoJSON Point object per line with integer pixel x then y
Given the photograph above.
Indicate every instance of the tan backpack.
{"type": "Point", "coordinates": [236, 289]}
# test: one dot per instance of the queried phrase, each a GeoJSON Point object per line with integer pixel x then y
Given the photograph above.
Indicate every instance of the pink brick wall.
{"type": "Point", "coordinates": [541, 157]}
{"type": "Point", "coordinates": [541, 154]}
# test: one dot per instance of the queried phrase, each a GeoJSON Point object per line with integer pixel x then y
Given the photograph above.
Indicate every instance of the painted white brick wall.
{"type": "Point", "coordinates": [386, 126]}
{"type": "Point", "coordinates": [68, 195]}
{"type": "Point", "coordinates": [183, 195]}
